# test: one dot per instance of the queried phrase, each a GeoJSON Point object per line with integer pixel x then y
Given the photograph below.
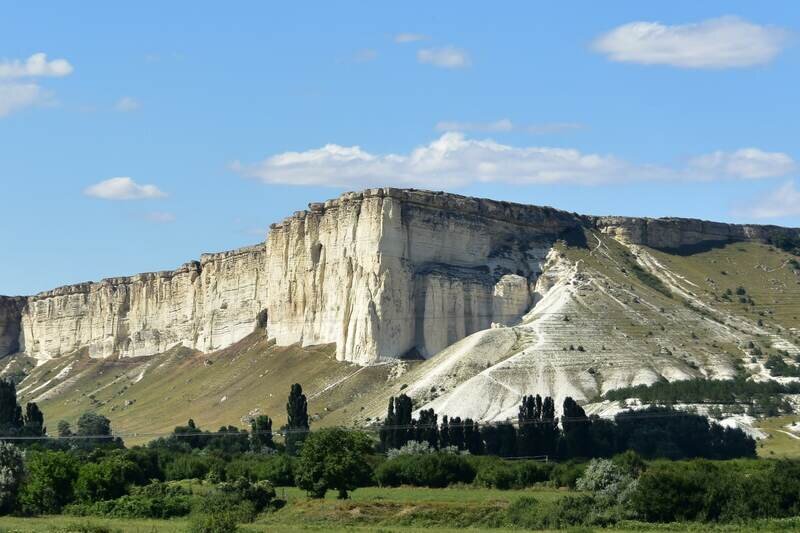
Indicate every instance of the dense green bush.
{"type": "Point", "coordinates": [276, 468]}
{"type": "Point", "coordinates": [107, 479]}
{"type": "Point", "coordinates": [570, 511]}
{"type": "Point", "coordinates": [706, 491]}
{"type": "Point", "coordinates": [49, 482]}
{"type": "Point", "coordinates": [191, 466]}
{"type": "Point", "coordinates": [427, 470]}
{"type": "Point", "coordinates": [567, 474]}
{"type": "Point", "coordinates": [157, 500]}
{"type": "Point", "coordinates": [497, 473]}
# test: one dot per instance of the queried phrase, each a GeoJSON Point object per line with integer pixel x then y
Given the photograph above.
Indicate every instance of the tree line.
{"type": "Point", "coordinates": [658, 431]}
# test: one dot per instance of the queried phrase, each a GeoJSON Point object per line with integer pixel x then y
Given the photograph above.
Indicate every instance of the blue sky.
{"type": "Point", "coordinates": [218, 119]}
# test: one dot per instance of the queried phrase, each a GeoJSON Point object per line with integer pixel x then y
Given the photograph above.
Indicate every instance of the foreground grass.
{"type": "Point", "coordinates": [61, 524]}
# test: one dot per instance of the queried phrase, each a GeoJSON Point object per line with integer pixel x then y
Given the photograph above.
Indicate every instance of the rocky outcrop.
{"type": "Point", "coordinates": [383, 273]}
{"type": "Point", "coordinates": [204, 305]}
{"type": "Point", "coordinates": [677, 233]}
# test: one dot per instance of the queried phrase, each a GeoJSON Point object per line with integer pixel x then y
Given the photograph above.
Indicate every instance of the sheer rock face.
{"type": "Point", "coordinates": [384, 273]}
{"type": "Point", "coordinates": [204, 305]}
{"type": "Point", "coordinates": [388, 273]}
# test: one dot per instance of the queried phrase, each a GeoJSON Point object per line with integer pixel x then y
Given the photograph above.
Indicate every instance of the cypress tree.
{"type": "Point", "coordinates": [297, 419]}
{"type": "Point", "coordinates": [34, 420]}
{"type": "Point", "coordinates": [261, 435]}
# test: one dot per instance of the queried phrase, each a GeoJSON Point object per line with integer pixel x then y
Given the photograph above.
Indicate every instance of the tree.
{"type": "Point", "coordinates": [427, 429]}
{"type": "Point", "coordinates": [64, 429]}
{"type": "Point", "coordinates": [12, 470]}
{"type": "Point", "coordinates": [96, 431]}
{"type": "Point", "coordinates": [34, 421]}
{"type": "Point", "coordinates": [576, 439]}
{"type": "Point", "coordinates": [11, 421]}
{"type": "Point", "coordinates": [334, 458]}
{"type": "Point", "coordinates": [48, 486]}
{"type": "Point", "coordinates": [261, 434]}
{"type": "Point", "coordinates": [297, 419]}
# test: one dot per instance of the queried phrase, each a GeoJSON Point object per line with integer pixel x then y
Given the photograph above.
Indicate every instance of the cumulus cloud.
{"type": "Point", "coordinates": [127, 104]}
{"type": "Point", "coordinates": [18, 91]}
{"type": "Point", "coordinates": [748, 163]}
{"type": "Point", "coordinates": [505, 124]}
{"type": "Point", "coordinates": [123, 188]}
{"type": "Point", "coordinates": [724, 42]}
{"type": "Point", "coordinates": [782, 202]}
{"type": "Point", "coordinates": [35, 66]}
{"type": "Point", "coordinates": [17, 96]}
{"type": "Point", "coordinates": [445, 57]}
{"type": "Point", "coordinates": [403, 38]}
{"type": "Point", "coordinates": [454, 160]}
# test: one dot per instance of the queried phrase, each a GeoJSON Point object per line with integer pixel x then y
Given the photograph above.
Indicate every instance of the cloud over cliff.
{"type": "Point", "coordinates": [454, 160]}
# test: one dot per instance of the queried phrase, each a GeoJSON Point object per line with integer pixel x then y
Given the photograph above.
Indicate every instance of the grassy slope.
{"type": "Point", "coordinates": [149, 396]}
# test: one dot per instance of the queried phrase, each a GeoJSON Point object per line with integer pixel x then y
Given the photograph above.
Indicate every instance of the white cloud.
{"type": "Point", "coordinates": [445, 57]}
{"type": "Point", "coordinates": [127, 104]}
{"type": "Point", "coordinates": [505, 124]}
{"type": "Point", "coordinates": [454, 160]}
{"type": "Point", "coordinates": [123, 188]}
{"type": "Point", "coordinates": [17, 96]}
{"type": "Point", "coordinates": [715, 43]}
{"type": "Point", "coordinates": [782, 202]}
{"type": "Point", "coordinates": [36, 65]}
{"type": "Point", "coordinates": [749, 163]}
{"type": "Point", "coordinates": [160, 217]}
{"type": "Point", "coordinates": [403, 38]}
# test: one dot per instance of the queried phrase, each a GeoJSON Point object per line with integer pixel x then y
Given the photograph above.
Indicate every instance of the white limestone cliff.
{"type": "Point", "coordinates": [384, 273]}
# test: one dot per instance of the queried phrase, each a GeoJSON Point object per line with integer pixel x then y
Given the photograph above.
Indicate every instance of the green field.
{"type": "Point", "coordinates": [404, 509]}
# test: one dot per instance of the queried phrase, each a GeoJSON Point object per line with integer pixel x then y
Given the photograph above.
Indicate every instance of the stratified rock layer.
{"type": "Point", "coordinates": [384, 273]}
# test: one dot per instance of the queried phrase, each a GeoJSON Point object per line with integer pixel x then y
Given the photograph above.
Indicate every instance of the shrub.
{"type": "Point", "coordinates": [105, 480]}
{"type": "Point", "coordinates": [427, 470]}
{"type": "Point", "coordinates": [12, 470]}
{"type": "Point", "coordinates": [224, 522]}
{"type": "Point", "coordinates": [191, 466]}
{"type": "Point", "coordinates": [566, 474]}
{"type": "Point", "coordinates": [49, 484]}
{"type": "Point", "coordinates": [570, 511]}
{"type": "Point", "coordinates": [604, 477]}
{"type": "Point", "coordinates": [500, 474]}
{"type": "Point", "coordinates": [157, 500]}
{"type": "Point", "coordinates": [277, 469]}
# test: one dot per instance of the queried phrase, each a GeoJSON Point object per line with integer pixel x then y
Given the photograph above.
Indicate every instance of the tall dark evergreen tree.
{"type": "Point", "coordinates": [427, 429]}
{"type": "Point", "coordinates": [297, 419]}
{"type": "Point", "coordinates": [11, 420]}
{"type": "Point", "coordinates": [457, 432]}
{"type": "Point", "coordinates": [34, 421]}
{"type": "Point", "coordinates": [401, 428]}
{"type": "Point", "coordinates": [576, 438]}
{"type": "Point", "coordinates": [548, 429]}
{"type": "Point", "coordinates": [261, 435]}
{"type": "Point", "coordinates": [530, 414]}
{"type": "Point", "coordinates": [444, 433]}
{"type": "Point", "coordinates": [472, 437]}
{"type": "Point", "coordinates": [386, 434]}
